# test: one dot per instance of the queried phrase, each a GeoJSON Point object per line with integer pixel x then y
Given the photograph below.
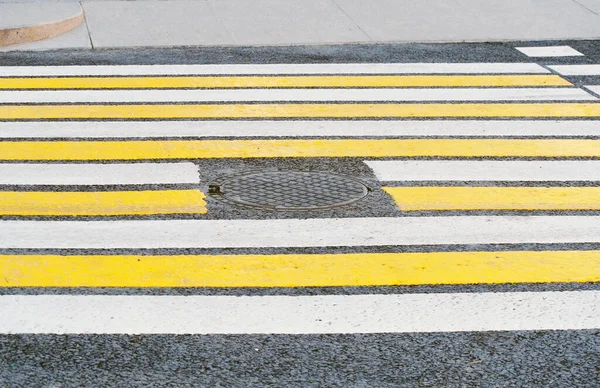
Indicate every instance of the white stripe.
{"type": "Point", "coordinates": [299, 232]}
{"type": "Point", "coordinates": [98, 174]}
{"type": "Point", "coordinates": [593, 88]}
{"type": "Point", "coordinates": [550, 51]}
{"type": "Point", "coordinates": [576, 69]}
{"type": "Point", "coordinates": [447, 170]}
{"type": "Point", "coordinates": [333, 314]}
{"type": "Point", "coordinates": [297, 128]}
{"type": "Point", "coordinates": [229, 69]}
{"type": "Point", "coordinates": [271, 95]}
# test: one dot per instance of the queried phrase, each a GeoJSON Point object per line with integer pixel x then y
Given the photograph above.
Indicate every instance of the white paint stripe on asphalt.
{"type": "Point", "coordinates": [268, 69]}
{"type": "Point", "coordinates": [333, 314]}
{"type": "Point", "coordinates": [299, 232]}
{"type": "Point", "coordinates": [550, 51]}
{"type": "Point", "coordinates": [576, 69]}
{"type": "Point", "coordinates": [297, 128]}
{"type": "Point", "coordinates": [450, 170]}
{"type": "Point", "coordinates": [98, 174]}
{"type": "Point", "coordinates": [593, 88]}
{"type": "Point", "coordinates": [242, 95]}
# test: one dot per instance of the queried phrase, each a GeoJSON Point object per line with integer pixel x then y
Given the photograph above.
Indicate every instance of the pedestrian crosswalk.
{"type": "Point", "coordinates": [549, 51]}
{"type": "Point", "coordinates": [482, 171]}
{"type": "Point", "coordinates": [302, 270]}
{"type": "Point", "coordinates": [88, 174]}
{"type": "Point", "coordinates": [276, 82]}
{"type": "Point", "coordinates": [274, 69]}
{"type": "Point", "coordinates": [295, 95]}
{"type": "Point", "coordinates": [132, 129]}
{"type": "Point", "coordinates": [579, 70]}
{"type": "Point", "coordinates": [323, 314]}
{"type": "Point", "coordinates": [493, 169]}
{"type": "Point", "coordinates": [294, 148]}
{"type": "Point", "coordinates": [100, 203]}
{"type": "Point", "coordinates": [298, 233]}
{"type": "Point", "coordinates": [495, 198]}
{"type": "Point", "coordinates": [298, 111]}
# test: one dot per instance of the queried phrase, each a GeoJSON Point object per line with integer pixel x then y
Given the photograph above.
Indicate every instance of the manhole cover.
{"type": "Point", "coordinates": [290, 190]}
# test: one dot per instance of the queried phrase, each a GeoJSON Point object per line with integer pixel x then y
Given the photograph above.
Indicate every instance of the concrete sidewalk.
{"type": "Point", "coordinates": [145, 23]}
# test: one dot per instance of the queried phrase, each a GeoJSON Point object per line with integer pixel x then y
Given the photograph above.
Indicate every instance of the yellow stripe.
{"type": "Point", "coordinates": [496, 198]}
{"type": "Point", "coordinates": [201, 149]}
{"type": "Point", "coordinates": [108, 203]}
{"type": "Point", "coordinates": [373, 81]}
{"type": "Point", "coordinates": [241, 111]}
{"type": "Point", "coordinates": [367, 269]}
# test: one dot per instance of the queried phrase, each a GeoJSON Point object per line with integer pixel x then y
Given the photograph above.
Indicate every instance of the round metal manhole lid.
{"type": "Point", "coordinates": [290, 190]}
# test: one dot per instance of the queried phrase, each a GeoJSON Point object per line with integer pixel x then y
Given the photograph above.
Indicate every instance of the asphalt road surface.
{"type": "Point", "coordinates": [310, 216]}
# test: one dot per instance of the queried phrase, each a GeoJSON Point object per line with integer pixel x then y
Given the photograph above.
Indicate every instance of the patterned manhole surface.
{"type": "Point", "coordinates": [290, 190]}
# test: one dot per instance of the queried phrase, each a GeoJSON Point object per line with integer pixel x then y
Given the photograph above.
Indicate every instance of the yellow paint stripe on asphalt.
{"type": "Point", "coordinates": [318, 270]}
{"type": "Point", "coordinates": [110, 203]}
{"type": "Point", "coordinates": [373, 148]}
{"type": "Point", "coordinates": [372, 81]}
{"type": "Point", "coordinates": [243, 111]}
{"type": "Point", "coordinates": [496, 198]}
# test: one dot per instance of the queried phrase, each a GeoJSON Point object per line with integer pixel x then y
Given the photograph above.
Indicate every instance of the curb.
{"type": "Point", "coordinates": [27, 34]}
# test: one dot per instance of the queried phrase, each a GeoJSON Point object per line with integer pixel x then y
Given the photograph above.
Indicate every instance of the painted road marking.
{"type": "Point", "coordinates": [299, 232]}
{"type": "Point", "coordinates": [550, 51]}
{"type": "Point", "coordinates": [202, 149]}
{"type": "Point", "coordinates": [246, 111]}
{"type": "Point", "coordinates": [105, 203]}
{"type": "Point", "coordinates": [593, 88]}
{"type": "Point", "coordinates": [161, 314]}
{"type": "Point", "coordinates": [576, 69]}
{"type": "Point", "coordinates": [280, 81]}
{"type": "Point", "coordinates": [293, 95]}
{"type": "Point", "coordinates": [317, 270]}
{"type": "Point", "coordinates": [274, 69]}
{"type": "Point", "coordinates": [99, 174]}
{"type": "Point", "coordinates": [297, 128]}
{"type": "Point", "coordinates": [495, 198]}
{"type": "Point", "coordinates": [488, 170]}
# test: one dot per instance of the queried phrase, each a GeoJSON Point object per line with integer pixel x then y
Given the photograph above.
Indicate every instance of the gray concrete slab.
{"type": "Point", "coordinates": [471, 20]}
{"type": "Point", "coordinates": [286, 22]}
{"type": "Point", "coordinates": [591, 5]}
{"type": "Point", "coordinates": [159, 23]}
{"type": "Point", "coordinates": [407, 20]}
{"type": "Point", "coordinates": [154, 23]}
{"type": "Point", "coordinates": [531, 19]}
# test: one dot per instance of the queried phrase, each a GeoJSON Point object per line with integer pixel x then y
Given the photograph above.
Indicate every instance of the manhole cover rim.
{"type": "Point", "coordinates": [218, 188]}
